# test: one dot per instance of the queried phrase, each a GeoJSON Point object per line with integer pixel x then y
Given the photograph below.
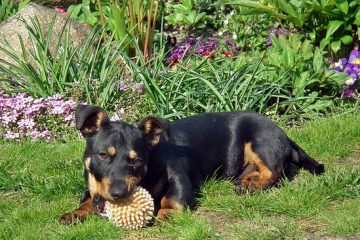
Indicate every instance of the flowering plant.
{"type": "Point", "coordinates": [209, 48]}
{"type": "Point", "coordinates": [23, 116]}
{"type": "Point", "coordinates": [351, 67]}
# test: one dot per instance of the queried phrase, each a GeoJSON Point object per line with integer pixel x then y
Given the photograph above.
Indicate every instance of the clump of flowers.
{"type": "Point", "coordinates": [351, 67]}
{"type": "Point", "coordinates": [61, 11]}
{"type": "Point", "coordinates": [209, 48]}
{"type": "Point", "coordinates": [276, 32]}
{"type": "Point", "coordinates": [23, 116]}
{"type": "Point", "coordinates": [138, 88]}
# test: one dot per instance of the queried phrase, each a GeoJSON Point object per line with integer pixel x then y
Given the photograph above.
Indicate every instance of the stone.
{"type": "Point", "coordinates": [14, 26]}
{"type": "Point", "coordinates": [54, 3]}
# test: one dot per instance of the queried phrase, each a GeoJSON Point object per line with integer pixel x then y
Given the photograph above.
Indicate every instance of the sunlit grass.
{"type": "Point", "coordinates": [41, 181]}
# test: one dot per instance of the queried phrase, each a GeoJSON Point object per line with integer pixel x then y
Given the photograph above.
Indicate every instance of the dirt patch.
{"type": "Point", "coordinates": [221, 222]}
{"type": "Point", "coordinates": [352, 160]}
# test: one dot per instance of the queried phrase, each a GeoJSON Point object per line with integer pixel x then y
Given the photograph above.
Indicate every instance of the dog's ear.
{"type": "Point", "coordinates": [90, 118]}
{"type": "Point", "coordinates": [153, 128]}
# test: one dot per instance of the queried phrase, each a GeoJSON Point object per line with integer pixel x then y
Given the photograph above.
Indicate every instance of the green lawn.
{"type": "Point", "coordinates": [41, 181]}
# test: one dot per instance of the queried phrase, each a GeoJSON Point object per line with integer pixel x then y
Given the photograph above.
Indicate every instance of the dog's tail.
{"type": "Point", "coordinates": [302, 160]}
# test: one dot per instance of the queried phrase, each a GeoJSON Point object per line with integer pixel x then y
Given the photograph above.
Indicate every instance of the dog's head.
{"type": "Point", "coordinates": [116, 155]}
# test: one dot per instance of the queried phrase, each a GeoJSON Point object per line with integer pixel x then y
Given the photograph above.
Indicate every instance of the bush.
{"type": "Point", "coordinates": [329, 24]}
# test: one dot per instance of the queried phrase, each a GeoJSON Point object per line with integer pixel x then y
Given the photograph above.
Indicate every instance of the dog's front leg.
{"type": "Point", "coordinates": [179, 195]}
{"type": "Point", "coordinates": [84, 209]}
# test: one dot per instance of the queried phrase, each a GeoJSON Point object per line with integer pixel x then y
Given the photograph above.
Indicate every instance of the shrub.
{"type": "Point", "coordinates": [249, 32]}
{"type": "Point", "coordinates": [329, 23]}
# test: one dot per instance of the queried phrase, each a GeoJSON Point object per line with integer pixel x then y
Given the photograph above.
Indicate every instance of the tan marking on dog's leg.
{"type": "Point", "coordinates": [261, 177]}
{"type": "Point", "coordinates": [79, 214]}
{"type": "Point", "coordinates": [168, 206]}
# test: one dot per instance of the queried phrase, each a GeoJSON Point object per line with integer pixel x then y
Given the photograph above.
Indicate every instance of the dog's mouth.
{"type": "Point", "coordinates": [99, 206]}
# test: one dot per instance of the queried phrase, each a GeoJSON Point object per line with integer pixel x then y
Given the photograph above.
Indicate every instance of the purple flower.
{"type": "Point", "coordinates": [343, 61]}
{"type": "Point", "coordinates": [139, 88]}
{"type": "Point", "coordinates": [276, 32]}
{"type": "Point", "coordinates": [347, 92]}
{"type": "Point", "coordinates": [354, 57]}
{"type": "Point", "coordinates": [123, 87]}
{"type": "Point", "coordinates": [23, 116]}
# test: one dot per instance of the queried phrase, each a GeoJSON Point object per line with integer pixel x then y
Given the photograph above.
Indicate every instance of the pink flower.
{"type": "Point", "coordinates": [61, 11]}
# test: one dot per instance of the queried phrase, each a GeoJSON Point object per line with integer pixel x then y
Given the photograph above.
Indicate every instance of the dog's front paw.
{"type": "Point", "coordinates": [73, 217]}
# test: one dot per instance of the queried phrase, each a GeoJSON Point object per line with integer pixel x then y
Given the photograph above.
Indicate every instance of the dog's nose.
{"type": "Point", "coordinates": [118, 193]}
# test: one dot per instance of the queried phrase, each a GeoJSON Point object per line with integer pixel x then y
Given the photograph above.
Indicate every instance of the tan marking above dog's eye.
{"type": "Point", "coordinates": [132, 155]}
{"type": "Point", "coordinates": [103, 156]}
{"type": "Point", "coordinates": [111, 151]}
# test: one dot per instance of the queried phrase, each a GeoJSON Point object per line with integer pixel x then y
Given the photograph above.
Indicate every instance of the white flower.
{"type": "Point", "coordinates": [350, 81]}
{"type": "Point", "coordinates": [232, 12]}
{"type": "Point", "coordinates": [220, 33]}
{"type": "Point", "coordinates": [226, 22]}
{"type": "Point", "coordinates": [235, 36]}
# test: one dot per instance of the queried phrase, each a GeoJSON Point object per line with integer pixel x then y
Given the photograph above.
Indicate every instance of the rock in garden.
{"type": "Point", "coordinates": [14, 26]}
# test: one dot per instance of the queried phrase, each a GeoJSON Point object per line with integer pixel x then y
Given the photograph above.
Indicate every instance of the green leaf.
{"type": "Point", "coordinates": [260, 8]}
{"type": "Point", "coordinates": [335, 46]}
{"type": "Point", "coordinates": [343, 5]}
{"type": "Point", "coordinates": [74, 11]}
{"type": "Point", "coordinates": [287, 8]}
{"type": "Point", "coordinates": [324, 42]}
{"type": "Point", "coordinates": [318, 60]}
{"type": "Point", "coordinates": [306, 50]}
{"type": "Point", "coordinates": [312, 36]}
{"type": "Point", "coordinates": [332, 27]}
{"type": "Point", "coordinates": [188, 4]}
{"type": "Point", "coordinates": [191, 17]}
{"type": "Point", "coordinates": [346, 40]}
{"type": "Point", "coordinates": [357, 21]}
{"type": "Point", "coordinates": [199, 17]}
{"type": "Point", "coordinates": [23, 4]}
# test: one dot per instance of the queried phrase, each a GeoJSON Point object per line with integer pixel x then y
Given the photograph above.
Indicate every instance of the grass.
{"type": "Point", "coordinates": [40, 181]}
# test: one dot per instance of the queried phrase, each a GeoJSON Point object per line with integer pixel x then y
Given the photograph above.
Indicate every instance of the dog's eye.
{"type": "Point", "coordinates": [137, 162]}
{"type": "Point", "coordinates": [103, 156]}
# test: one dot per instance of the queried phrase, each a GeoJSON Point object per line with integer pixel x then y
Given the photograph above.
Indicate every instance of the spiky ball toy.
{"type": "Point", "coordinates": [134, 212]}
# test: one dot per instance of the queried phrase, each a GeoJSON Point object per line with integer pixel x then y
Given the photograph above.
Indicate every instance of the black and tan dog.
{"type": "Point", "coordinates": [173, 159]}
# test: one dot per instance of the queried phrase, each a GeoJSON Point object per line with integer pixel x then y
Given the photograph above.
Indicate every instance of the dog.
{"type": "Point", "coordinates": [172, 160]}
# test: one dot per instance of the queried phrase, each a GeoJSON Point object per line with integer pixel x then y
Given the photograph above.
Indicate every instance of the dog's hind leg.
{"type": "Point", "coordinates": [256, 175]}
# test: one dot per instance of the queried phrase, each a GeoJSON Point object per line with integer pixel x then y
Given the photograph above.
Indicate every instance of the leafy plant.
{"type": "Point", "coordinates": [8, 8]}
{"type": "Point", "coordinates": [330, 23]}
{"type": "Point", "coordinates": [129, 22]}
{"type": "Point", "coordinates": [249, 31]}
{"type": "Point", "coordinates": [184, 13]}
{"type": "Point", "coordinates": [303, 74]}
{"type": "Point", "coordinates": [86, 12]}
{"type": "Point", "coordinates": [90, 73]}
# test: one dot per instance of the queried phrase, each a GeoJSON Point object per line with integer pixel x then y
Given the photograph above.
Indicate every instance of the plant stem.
{"type": "Point", "coordinates": [102, 18]}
